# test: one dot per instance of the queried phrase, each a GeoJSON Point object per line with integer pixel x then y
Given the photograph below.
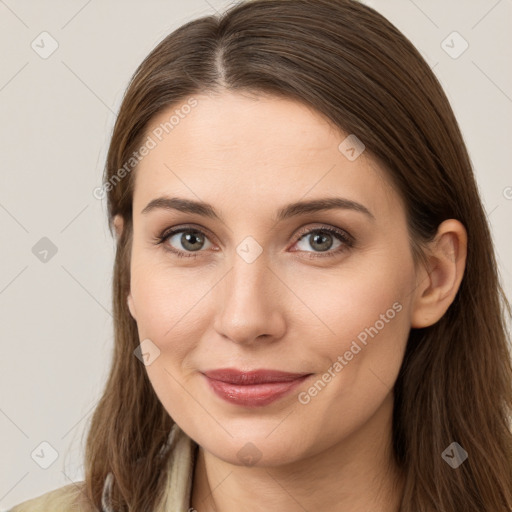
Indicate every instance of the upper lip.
{"type": "Point", "coordinates": [261, 376]}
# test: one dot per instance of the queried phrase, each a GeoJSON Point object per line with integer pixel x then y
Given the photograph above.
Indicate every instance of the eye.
{"type": "Point", "coordinates": [184, 242]}
{"type": "Point", "coordinates": [322, 240]}
{"type": "Point", "coordinates": [188, 242]}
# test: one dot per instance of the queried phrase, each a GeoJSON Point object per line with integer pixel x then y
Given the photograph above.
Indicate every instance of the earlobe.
{"type": "Point", "coordinates": [118, 225]}
{"type": "Point", "coordinates": [438, 285]}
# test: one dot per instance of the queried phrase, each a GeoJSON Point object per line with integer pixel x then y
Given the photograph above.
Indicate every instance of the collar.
{"type": "Point", "coordinates": [180, 473]}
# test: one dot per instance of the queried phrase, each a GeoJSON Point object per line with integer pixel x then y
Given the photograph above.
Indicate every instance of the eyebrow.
{"type": "Point", "coordinates": [288, 211]}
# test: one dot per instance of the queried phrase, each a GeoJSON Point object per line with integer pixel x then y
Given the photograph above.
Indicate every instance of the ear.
{"type": "Point", "coordinates": [439, 283]}
{"type": "Point", "coordinates": [118, 225]}
{"type": "Point", "coordinates": [131, 306]}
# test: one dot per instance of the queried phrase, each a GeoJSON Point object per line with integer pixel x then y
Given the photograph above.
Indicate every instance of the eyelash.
{"type": "Point", "coordinates": [346, 239]}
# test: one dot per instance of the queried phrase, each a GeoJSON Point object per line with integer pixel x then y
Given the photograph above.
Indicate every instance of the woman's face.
{"type": "Point", "coordinates": [261, 285]}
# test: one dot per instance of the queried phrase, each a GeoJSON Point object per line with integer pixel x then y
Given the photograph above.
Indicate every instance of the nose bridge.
{"type": "Point", "coordinates": [249, 279]}
{"type": "Point", "coordinates": [248, 301]}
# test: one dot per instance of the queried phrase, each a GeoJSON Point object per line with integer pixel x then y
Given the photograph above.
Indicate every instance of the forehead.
{"type": "Point", "coordinates": [250, 152]}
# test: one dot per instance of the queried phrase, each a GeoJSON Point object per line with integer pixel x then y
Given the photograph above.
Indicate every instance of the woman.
{"type": "Point", "coordinates": [307, 309]}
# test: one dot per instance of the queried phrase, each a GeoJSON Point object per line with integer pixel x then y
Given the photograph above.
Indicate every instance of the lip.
{"type": "Point", "coordinates": [254, 388]}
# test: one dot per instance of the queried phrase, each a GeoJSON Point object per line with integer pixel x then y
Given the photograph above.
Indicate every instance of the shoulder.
{"type": "Point", "coordinates": [70, 498]}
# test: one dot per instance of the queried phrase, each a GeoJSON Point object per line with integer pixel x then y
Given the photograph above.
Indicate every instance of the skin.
{"type": "Point", "coordinates": [248, 156]}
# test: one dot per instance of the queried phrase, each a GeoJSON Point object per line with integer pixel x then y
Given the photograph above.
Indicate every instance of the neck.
{"type": "Point", "coordinates": [355, 475]}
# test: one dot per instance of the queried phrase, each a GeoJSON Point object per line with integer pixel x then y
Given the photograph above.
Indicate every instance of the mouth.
{"type": "Point", "coordinates": [254, 388]}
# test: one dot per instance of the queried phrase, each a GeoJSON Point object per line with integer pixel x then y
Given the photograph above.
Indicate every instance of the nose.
{"type": "Point", "coordinates": [251, 303]}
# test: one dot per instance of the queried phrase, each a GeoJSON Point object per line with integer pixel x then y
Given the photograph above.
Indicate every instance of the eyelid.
{"type": "Point", "coordinates": [324, 227]}
{"type": "Point", "coordinates": [166, 233]}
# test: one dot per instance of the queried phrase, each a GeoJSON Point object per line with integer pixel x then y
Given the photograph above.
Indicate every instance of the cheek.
{"type": "Point", "coordinates": [366, 317]}
{"type": "Point", "coordinates": [167, 302]}
{"type": "Point", "coordinates": [166, 298]}
{"type": "Point", "coordinates": [358, 366]}
{"type": "Point", "coordinates": [173, 309]}
{"type": "Point", "coordinates": [358, 303]}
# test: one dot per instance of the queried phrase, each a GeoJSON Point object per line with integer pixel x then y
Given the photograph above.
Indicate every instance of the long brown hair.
{"type": "Point", "coordinates": [348, 62]}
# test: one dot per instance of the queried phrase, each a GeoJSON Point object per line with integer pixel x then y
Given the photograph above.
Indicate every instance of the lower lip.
{"type": "Point", "coordinates": [255, 395]}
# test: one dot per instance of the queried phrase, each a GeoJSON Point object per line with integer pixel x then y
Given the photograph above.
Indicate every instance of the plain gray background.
{"type": "Point", "coordinates": [57, 114]}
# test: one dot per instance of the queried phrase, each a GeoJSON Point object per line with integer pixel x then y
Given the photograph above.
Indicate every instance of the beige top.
{"type": "Point", "coordinates": [71, 498]}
